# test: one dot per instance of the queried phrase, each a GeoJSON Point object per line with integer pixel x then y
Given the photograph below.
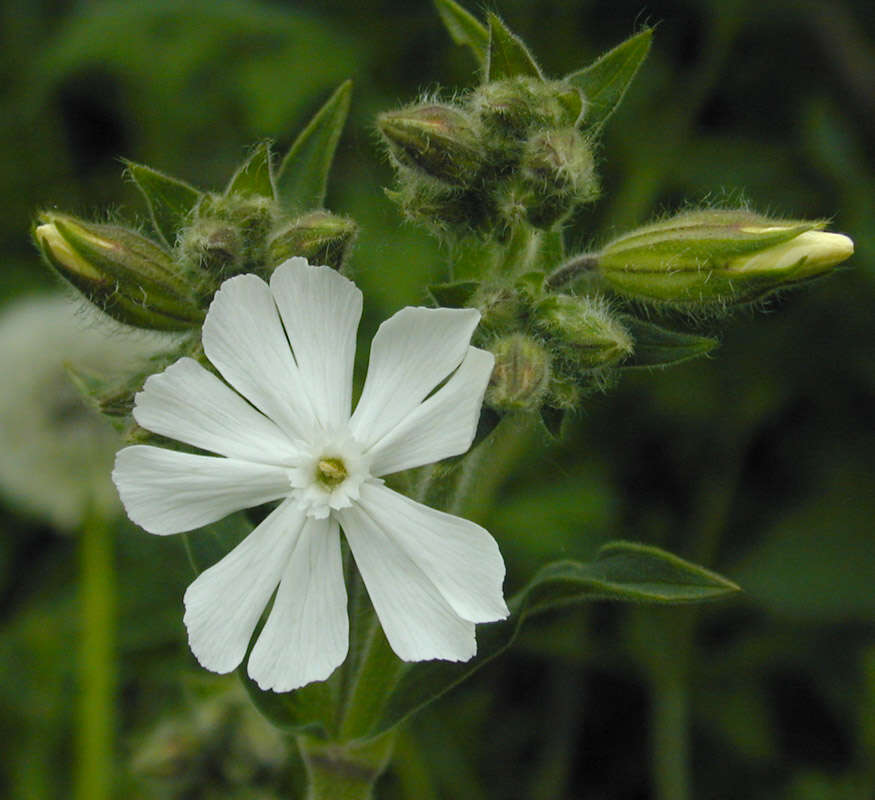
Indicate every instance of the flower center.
{"type": "Point", "coordinates": [331, 472]}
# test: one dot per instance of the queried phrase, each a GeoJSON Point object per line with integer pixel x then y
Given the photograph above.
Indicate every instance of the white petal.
{"type": "Point", "coordinates": [459, 557]}
{"type": "Point", "coordinates": [418, 622]}
{"type": "Point", "coordinates": [244, 339]}
{"type": "Point", "coordinates": [306, 635]}
{"type": "Point", "coordinates": [412, 352]}
{"type": "Point", "coordinates": [320, 310]}
{"type": "Point", "coordinates": [442, 426]}
{"type": "Point", "coordinates": [165, 491]}
{"type": "Point", "coordinates": [225, 602]}
{"type": "Point", "coordinates": [188, 403]}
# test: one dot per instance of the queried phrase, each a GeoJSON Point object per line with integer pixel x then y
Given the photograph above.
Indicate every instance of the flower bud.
{"type": "Point", "coordinates": [500, 308]}
{"type": "Point", "coordinates": [514, 106]}
{"type": "Point", "coordinates": [559, 172]}
{"type": "Point", "coordinates": [320, 237]}
{"type": "Point", "coordinates": [439, 140]}
{"type": "Point", "coordinates": [521, 375]}
{"type": "Point", "coordinates": [213, 248]}
{"type": "Point", "coordinates": [714, 258]}
{"type": "Point", "coordinates": [127, 275]}
{"type": "Point", "coordinates": [588, 335]}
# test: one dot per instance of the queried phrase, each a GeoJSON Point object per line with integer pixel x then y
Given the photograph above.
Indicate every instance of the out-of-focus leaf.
{"type": "Point", "coordinates": [211, 543]}
{"type": "Point", "coordinates": [507, 56]}
{"type": "Point", "coordinates": [303, 175]}
{"type": "Point", "coordinates": [658, 347]}
{"type": "Point", "coordinates": [818, 563]}
{"type": "Point", "coordinates": [464, 28]}
{"type": "Point", "coordinates": [253, 177]}
{"type": "Point", "coordinates": [453, 295]}
{"type": "Point", "coordinates": [170, 200]}
{"type": "Point", "coordinates": [622, 571]}
{"type": "Point", "coordinates": [605, 81]}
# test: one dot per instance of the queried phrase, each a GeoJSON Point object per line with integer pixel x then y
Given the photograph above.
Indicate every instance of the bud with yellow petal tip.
{"type": "Point", "coordinates": [125, 274]}
{"type": "Point", "coordinates": [718, 258]}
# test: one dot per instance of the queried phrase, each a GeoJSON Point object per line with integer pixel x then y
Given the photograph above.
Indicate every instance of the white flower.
{"type": "Point", "coordinates": [288, 435]}
{"type": "Point", "coordinates": [56, 450]}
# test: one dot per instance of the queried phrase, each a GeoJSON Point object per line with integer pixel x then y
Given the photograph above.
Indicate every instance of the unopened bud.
{"type": "Point", "coordinates": [715, 258]}
{"type": "Point", "coordinates": [214, 248]}
{"type": "Point", "coordinates": [559, 172]}
{"type": "Point", "coordinates": [521, 375]}
{"type": "Point", "coordinates": [125, 274]}
{"type": "Point", "coordinates": [500, 308]}
{"type": "Point", "coordinates": [589, 335]}
{"type": "Point", "coordinates": [514, 106]}
{"type": "Point", "coordinates": [440, 140]}
{"type": "Point", "coordinates": [320, 237]}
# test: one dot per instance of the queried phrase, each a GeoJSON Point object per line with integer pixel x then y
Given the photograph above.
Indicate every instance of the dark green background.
{"type": "Point", "coordinates": [758, 461]}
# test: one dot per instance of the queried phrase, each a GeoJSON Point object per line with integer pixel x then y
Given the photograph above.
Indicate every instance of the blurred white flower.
{"type": "Point", "coordinates": [55, 449]}
{"type": "Point", "coordinates": [430, 575]}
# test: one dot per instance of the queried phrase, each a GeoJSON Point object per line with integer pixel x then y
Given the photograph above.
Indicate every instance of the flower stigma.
{"type": "Point", "coordinates": [331, 472]}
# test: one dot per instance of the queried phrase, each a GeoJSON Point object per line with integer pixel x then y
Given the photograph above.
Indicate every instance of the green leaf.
{"type": "Point", "coordinates": [253, 177]}
{"type": "Point", "coordinates": [209, 544]}
{"type": "Point", "coordinates": [623, 571]}
{"type": "Point", "coordinates": [455, 294]}
{"type": "Point", "coordinates": [660, 347]}
{"type": "Point", "coordinates": [464, 28]}
{"type": "Point", "coordinates": [303, 175]}
{"type": "Point", "coordinates": [508, 56]}
{"type": "Point", "coordinates": [605, 81]}
{"type": "Point", "coordinates": [170, 200]}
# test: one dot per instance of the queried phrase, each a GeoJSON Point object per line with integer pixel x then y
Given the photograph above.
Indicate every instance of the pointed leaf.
{"type": "Point", "coordinates": [508, 56]}
{"type": "Point", "coordinates": [660, 347]}
{"type": "Point", "coordinates": [253, 177]}
{"type": "Point", "coordinates": [453, 295]}
{"type": "Point", "coordinates": [605, 81]}
{"type": "Point", "coordinates": [169, 200]}
{"type": "Point", "coordinates": [464, 28]}
{"type": "Point", "coordinates": [303, 175]}
{"type": "Point", "coordinates": [621, 571]}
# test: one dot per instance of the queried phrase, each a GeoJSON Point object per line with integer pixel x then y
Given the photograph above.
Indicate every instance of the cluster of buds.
{"type": "Point", "coordinates": [265, 216]}
{"type": "Point", "coordinates": [142, 282]}
{"type": "Point", "coordinates": [166, 281]}
{"type": "Point", "coordinates": [511, 152]}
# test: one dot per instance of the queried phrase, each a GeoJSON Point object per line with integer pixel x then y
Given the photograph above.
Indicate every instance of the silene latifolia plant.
{"type": "Point", "coordinates": [329, 573]}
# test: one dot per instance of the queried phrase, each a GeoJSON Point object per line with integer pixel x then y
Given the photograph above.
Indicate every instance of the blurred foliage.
{"type": "Point", "coordinates": [758, 461]}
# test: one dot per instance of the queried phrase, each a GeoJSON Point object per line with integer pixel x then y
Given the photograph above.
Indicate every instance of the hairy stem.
{"type": "Point", "coordinates": [344, 771]}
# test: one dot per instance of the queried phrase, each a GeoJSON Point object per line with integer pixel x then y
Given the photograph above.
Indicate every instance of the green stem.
{"type": "Point", "coordinates": [669, 744]}
{"type": "Point", "coordinates": [94, 762]}
{"type": "Point", "coordinates": [344, 771]}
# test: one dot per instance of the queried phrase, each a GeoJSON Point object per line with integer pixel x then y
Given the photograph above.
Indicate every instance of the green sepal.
{"type": "Point", "coordinates": [253, 177]}
{"type": "Point", "coordinates": [552, 419]}
{"type": "Point", "coordinates": [507, 57]}
{"type": "Point", "coordinates": [659, 347]}
{"type": "Point", "coordinates": [311, 708]}
{"type": "Point", "coordinates": [453, 295]}
{"type": "Point", "coordinates": [531, 284]}
{"type": "Point", "coordinates": [170, 200]}
{"type": "Point", "coordinates": [605, 81]}
{"type": "Point", "coordinates": [623, 571]}
{"type": "Point", "coordinates": [303, 175]}
{"type": "Point", "coordinates": [465, 29]}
